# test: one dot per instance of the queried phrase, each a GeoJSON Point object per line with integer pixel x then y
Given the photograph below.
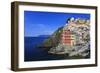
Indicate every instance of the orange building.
{"type": "Point", "coordinates": [67, 38]}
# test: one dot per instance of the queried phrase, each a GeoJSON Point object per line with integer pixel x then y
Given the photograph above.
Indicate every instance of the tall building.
{"type": "Point", "coordinates": [67, 38]}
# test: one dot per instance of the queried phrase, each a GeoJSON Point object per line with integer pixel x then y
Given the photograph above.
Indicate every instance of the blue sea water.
{"type": "Point", "coordinates": [33, 53]}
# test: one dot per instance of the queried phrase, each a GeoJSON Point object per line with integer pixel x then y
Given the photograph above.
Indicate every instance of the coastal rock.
{"type": "Point", "coordinates": [72, 39]}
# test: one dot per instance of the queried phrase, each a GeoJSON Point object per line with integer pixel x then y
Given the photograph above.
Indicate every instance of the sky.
{"type": "Point", "coordinates": [38, 23]}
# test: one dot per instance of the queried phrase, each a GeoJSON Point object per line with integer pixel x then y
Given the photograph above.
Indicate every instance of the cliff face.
{"type": "Point", "coordinates": [79, 29]}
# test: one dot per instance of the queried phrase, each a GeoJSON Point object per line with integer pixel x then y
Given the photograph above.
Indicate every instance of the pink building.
{"type": "Point", "coordinates": [67, 38]}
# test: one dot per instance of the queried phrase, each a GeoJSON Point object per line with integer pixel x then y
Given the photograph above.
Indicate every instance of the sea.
{"type": "Point", "coordinates": [34, 53]}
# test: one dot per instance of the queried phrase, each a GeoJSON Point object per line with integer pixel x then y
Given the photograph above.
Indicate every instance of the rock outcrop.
{"type": "Point", "coordinates": [80, 32]}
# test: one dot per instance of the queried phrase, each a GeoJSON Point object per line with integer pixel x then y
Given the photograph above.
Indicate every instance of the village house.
{"type": "Point", "coordinates": [67, 37]}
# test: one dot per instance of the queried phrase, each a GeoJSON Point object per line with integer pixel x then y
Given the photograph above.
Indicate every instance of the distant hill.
{"type": "Point", "coordinates": [44, 36]}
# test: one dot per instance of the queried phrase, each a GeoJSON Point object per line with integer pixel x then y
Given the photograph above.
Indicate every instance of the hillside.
{"type": "Point", "coordinates": [53, 40]}
{"type": "Point", "coordinates": [80, 29]}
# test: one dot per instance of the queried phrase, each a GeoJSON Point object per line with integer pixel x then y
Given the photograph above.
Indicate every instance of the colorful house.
{"type": "Point", "coordinates": [67, 38]}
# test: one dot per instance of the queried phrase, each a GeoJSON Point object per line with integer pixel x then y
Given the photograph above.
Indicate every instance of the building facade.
{"type": "Point", "coordinates": [67, 38]}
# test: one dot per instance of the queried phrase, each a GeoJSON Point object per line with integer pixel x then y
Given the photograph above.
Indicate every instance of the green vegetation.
{"type": "Point", "coordinates": [54, 39]}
